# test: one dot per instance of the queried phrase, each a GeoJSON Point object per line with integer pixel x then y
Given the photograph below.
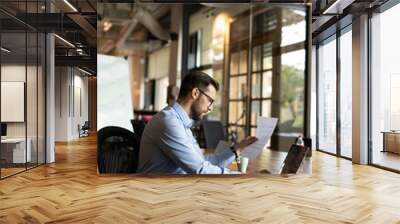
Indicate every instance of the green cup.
{"type": "Point", "coordinates": [244, 162]}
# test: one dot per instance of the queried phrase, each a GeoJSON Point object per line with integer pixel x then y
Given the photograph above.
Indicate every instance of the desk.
{"type": "Point", "coordinates": [391, 141]}
{"type": "Point", "coordinates": [272, 161]}
{"type": "Point", "coordinates": [13, 150]}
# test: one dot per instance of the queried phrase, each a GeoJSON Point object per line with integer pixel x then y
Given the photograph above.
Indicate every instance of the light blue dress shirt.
{"type": "Point", "coordinates": [168, 147]}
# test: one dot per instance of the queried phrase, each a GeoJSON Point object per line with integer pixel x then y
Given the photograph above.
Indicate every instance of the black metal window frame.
{"type": "Point", "coordinates": [284, 49]}
{"type": "Point", "coordinates": [334, 37]}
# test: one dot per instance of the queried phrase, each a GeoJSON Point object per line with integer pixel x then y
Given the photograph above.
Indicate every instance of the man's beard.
{"type": "Point", "coordinates": [197, 115]}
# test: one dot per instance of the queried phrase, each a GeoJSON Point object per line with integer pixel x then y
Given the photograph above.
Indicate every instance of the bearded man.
{"type": "Point", "coordinates": [167, 144]}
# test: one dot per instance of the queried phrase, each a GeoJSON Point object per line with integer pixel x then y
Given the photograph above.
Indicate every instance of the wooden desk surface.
{"type": "Point", "coordinates": [270, 162]}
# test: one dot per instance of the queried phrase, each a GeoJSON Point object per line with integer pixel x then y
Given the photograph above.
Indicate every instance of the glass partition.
{"type": "Point", "coordinates": [22, 89]}
{"type": "Point", "coordinates": [15, 151]}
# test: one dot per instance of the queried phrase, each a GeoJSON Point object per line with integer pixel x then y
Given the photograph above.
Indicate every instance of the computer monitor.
{"type": "Point", "coordinates": [3, 129]}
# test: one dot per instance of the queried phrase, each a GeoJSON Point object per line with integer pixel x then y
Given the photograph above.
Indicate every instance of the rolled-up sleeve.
{"type": "Point", "coordinates": [175, 144]}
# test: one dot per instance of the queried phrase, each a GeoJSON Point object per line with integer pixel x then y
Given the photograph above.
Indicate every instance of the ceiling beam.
{"type": "Point", "coordinates": [84, 24]}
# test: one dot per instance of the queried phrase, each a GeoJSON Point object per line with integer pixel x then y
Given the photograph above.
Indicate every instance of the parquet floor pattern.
{"type": "Point", "coordinates": [71, 191]}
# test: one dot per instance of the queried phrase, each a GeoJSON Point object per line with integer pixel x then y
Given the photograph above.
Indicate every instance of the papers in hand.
{"type": "Point", "coordinates": [265, 128]}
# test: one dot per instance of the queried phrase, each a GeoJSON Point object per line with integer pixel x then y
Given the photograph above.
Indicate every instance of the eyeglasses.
{"type": "Point", "coordinates": [210, 99]}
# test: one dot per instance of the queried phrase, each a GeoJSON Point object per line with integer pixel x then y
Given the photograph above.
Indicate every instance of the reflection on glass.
{"type": "Point", "coordinates": [346, 94]}
{"type": "Point", "coordinates": [327, 96]}
{"type": "Point", "coordinates": [256, 86]}
{"type": "Point", "coordinates": [267, 84]}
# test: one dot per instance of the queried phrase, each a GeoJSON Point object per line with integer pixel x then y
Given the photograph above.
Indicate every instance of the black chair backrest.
{"type": "Point", "coordinates": [213, 133]}
{"type": "Point", "coordinates": [117, 150]}
{"type": "Point", "coordinates": [138, 128]}
{"type": "Point", "coordinates": [86, 125]}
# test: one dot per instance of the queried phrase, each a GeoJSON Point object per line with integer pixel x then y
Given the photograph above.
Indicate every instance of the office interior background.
{"type": "Point", "coordinates": [326, 68]}
{"type": "Point", "coordinates": [140, 66]}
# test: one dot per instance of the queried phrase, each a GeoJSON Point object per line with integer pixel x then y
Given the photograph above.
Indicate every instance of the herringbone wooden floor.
{"type": "Point", "coordinates": [71, 191]}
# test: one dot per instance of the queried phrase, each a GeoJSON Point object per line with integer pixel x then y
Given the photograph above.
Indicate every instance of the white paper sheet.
{"type": "Point", "coordinates": [265, 128]}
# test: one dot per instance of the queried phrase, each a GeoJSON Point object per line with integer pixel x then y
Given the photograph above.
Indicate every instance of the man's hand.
{"type": "Point", "coordinates": [242, 144]}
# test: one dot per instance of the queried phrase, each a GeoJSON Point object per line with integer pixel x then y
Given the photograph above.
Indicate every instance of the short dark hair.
{"type": "Point", "coordinates": [196, 79]}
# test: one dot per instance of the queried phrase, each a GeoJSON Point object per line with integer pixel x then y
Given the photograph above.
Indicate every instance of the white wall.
{"type": "Point", "coordinates": [71, 94]}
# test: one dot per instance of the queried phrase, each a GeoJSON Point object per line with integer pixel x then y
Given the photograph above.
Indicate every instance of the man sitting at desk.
{"type": "Point", "coordinates": [168, 145]}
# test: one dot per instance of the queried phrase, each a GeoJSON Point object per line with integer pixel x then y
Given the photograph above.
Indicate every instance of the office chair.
{"type": "Point", "coordinates": [117, 150]}
{"type": "Point", "coordinates": [84, 130]}
{"type": "Point", "coordinates": [138, 128]}
{"type": "Point", "coordinates": [213, 132]}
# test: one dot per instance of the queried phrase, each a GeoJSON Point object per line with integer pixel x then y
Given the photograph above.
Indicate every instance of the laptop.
{"type": "Point", "coordinates": [294, 158]}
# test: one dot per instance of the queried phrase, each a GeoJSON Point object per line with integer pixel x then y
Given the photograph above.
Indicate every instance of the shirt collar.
{"type": "Point", "coordinates": [187, 121]}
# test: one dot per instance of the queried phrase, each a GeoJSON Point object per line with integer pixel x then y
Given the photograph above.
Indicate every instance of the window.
{"type": "Point", "coordinates": [327, 95]}
{"type": "Point", "coordinates": [346, 93]}
{"type": "Point", "coordinates": [272, 84]}
{"type": "Point", "coordinates": [194, 50]}
{"type": "Point", "coordinates": [385, 89]}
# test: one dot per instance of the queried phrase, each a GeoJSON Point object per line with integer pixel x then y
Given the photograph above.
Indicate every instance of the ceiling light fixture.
{"type": "Point", "coordinates": [65, 41]}
{"type": "Point", "coordinates": [107, 26]}
{"type": "Point", "coordinates": [5, 50]}
{"type": "Point", "coordinates": [70, 5]}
